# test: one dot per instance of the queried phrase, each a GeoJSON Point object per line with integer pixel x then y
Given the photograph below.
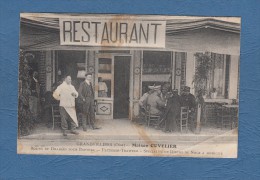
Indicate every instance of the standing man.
{"type": "Point", "coordinates": [66, 94]}
{"type": "Point", "coordinates": [189, 100]}
{"type": "Point", "coordinates": [86, 95]}
{"type": "Point", "coordinates": [172, 112]}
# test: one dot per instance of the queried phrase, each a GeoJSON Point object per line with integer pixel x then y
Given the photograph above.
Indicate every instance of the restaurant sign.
{"type": "Point", "coordinates": [115, 32]}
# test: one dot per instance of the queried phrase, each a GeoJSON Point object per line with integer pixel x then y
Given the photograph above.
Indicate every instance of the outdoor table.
{"type": "Point", "coordinates": [230, 114]}
{"type": "Point", "coordinates": [231, 106]}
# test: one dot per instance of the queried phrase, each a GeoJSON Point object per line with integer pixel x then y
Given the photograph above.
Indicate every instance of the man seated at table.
{"type": "Point", "coordinates": [143, 100]}
{"type": "Point", "coordinates": [155, 101]}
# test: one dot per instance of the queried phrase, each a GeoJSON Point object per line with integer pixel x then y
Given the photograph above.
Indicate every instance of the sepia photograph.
{"type": "Point", "coordinates": [128, 85]}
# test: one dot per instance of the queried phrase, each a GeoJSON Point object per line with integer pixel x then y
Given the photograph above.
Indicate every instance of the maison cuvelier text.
{"type": "Point", "coordinates": [111, 32]}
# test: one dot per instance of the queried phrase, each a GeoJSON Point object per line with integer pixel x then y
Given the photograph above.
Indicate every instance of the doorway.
{"type": "Point", "coordinates": [121, 86]}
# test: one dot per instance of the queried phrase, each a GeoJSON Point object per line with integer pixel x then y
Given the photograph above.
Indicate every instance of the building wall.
{"type": "Point", "coordinates": [201, 40]}
{"type": "Point", "coordinates": [136, 75]}
{"type": "Point", "coordinates": [234, 77]}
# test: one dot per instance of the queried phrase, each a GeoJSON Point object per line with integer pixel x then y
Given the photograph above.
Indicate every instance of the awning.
{"type": "Point", "coordinates": [185, 35]}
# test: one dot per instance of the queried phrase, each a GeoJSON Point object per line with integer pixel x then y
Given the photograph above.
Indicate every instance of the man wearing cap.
{"type": "Point", "coordinates": [155, 101]}
{"type": "Point", "coordinates": [189, 100]}
{"type": "Point", "coordinates": [86, 94]}
{"type": "Point", "coordinates": [172, 112]}
{"type": "Point", "coordinates": [66, 94]}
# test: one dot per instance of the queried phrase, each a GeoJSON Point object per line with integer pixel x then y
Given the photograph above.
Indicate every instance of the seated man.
{"type": "Point", "coordinates": [143, 99]}
{"type": "Point", "coordinates": [155, 101]}
{"type": "Point", "coordinates": [143, 104]}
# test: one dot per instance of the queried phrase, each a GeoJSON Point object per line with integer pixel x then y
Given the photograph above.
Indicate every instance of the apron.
{"type": "Point", "coordinates": [72, 113]}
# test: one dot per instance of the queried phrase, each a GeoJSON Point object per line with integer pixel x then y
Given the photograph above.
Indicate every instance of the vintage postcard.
{"type": "Point", "coordinates": [128, 85]}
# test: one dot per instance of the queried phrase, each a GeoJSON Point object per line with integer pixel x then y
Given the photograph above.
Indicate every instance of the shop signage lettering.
{"type": "Point", "coordinates": [117, 33]}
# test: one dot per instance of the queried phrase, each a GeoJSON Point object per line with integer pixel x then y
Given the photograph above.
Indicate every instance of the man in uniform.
{"type": "Point", "coordinates": [189, 100]}
{"type": "Point", "coordinates": [172, 112]}
{"type": "Point", "coordinates": [86, 94]}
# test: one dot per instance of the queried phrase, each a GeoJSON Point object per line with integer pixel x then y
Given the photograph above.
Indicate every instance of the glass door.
{"type": "Point", "coordinates": [104, 86]}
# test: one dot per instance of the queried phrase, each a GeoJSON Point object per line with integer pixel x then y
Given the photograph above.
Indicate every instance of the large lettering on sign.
{"type": "Point", "coordinates": [87, 31]}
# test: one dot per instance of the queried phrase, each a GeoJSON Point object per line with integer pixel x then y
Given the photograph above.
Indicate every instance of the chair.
{"type": "Point", "coordinates": [211, 113]}
{"type": "Point", "coordinates": [142, 115]}
{"type": "Point", "coordinates": [225, 117]}
{"type": "Point", "coordinates": [151, 119]}
{"type": "Point", "coordinates": [184, 118]}
{"type": "Point", "coordinates": [234, 113]}
{"type": "Point", "coordinates": [56, 118]}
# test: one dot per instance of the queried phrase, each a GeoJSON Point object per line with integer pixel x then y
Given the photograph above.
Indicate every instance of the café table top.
{"type": "Point", "coordinates": [231, 105]}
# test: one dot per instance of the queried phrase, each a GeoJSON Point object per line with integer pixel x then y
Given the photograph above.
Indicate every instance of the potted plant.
{"type": "Point", "coordinates": [25, 120]}
{"type": "Point", "coordinates": [202, 70]}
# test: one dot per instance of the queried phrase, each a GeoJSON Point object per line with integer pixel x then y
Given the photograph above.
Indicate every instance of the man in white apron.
{"type": "Point", "coordinates": [66, 94]}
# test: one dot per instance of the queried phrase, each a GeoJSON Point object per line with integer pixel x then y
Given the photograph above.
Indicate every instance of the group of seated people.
{"type": "Point", "coordinates": [166, 104]}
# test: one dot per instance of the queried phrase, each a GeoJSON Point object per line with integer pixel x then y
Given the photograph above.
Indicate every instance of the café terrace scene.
{"type": "Point", "coordinates": [164, 75]}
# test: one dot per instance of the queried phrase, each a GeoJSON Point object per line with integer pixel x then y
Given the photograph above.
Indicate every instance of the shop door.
{"type": "Point", "coordinates": [104, 86]}
{"type": "Point", "coordinates": [121, 86]}
{"type": "Point", "coordinates": [112, 86]}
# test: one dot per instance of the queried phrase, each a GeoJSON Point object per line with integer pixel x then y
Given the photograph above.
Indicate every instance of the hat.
{"type": "Point", "coordinates": [186, 89]}
{"type": "Point", "coordinates": [154, 87]}
{"type": "Point", "coordinates": [175, 90]}
{"type": "Point", "coordinates": [88, 74]}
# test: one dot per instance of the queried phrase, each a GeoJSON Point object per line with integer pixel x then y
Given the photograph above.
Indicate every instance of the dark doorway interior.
{"type": "Point", "coordinates": [68, 63]}
{"type": "Point", "coordinates": [121, 89]}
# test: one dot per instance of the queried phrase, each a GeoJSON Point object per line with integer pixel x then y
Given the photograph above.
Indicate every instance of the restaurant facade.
{"type": "Point", "coordinates": [128, 71]}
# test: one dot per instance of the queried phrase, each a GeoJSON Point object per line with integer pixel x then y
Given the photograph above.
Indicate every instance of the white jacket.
{"type": "Point", "coordinates": [64, 94]}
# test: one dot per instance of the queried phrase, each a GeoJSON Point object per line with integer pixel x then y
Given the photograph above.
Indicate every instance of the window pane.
{"type": "Point", "coordinates": [218, 75]}
{"type": "Point", "coordinates": [104, 87]}
{"type": "Point", "coordinates": [157, 69]}
{"type": "Point", "coordinates": [156, 62]}
{"type": "Point", "coordinates": [104, 65]}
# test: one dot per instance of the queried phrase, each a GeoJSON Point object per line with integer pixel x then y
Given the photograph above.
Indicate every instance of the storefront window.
{"type": "Point", "coordinates": [104, 77]}
{"type": "Point", "coordinates": [156, 68]}
{"type": "Point", "coordinates": [219, 76]}
{"type": "Point", "coordinates": [156, 62]}
{"type": "Point", "coordinates": [104, 87]}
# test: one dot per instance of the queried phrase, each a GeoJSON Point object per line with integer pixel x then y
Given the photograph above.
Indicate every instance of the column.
{"type": "Point", "coordinates": [190, 70]}
{"type": "Point", "coordinates": [48, 67]}
{"type": "Point", "coordinates": [137, 88]}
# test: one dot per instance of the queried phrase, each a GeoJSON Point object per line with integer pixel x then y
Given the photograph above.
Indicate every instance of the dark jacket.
{"type": "Point", "coordinates": [188, 100]}
{"type": "Point", "coordinates": [85, 91]}
{"type": "Point", "coordinates": [172, 113]}
{"type": "Point", "coordinates": [86, 99]}
{"type": "Point", "coordinates": [173, 107]}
